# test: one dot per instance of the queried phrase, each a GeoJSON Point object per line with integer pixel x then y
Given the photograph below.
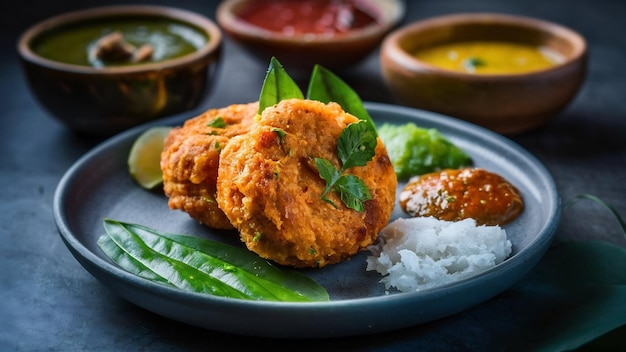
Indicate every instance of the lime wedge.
{"type": "Point", "coordinates": [144, 159]}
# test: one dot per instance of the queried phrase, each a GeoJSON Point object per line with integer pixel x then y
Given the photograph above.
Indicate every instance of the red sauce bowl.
{"type": "Point", "coordinates": [349, 35]}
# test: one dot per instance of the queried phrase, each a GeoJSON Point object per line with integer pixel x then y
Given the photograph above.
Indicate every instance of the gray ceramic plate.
{"type": "Point", "coordinates": [99, 186]}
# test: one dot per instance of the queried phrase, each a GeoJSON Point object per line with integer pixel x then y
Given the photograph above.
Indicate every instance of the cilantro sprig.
{"type": "Point", "coordinates": [357, 143]}
{"type": "Point", "coordinates": [472, 63]}
{"type": "Point", "coordinates": [356, 147]}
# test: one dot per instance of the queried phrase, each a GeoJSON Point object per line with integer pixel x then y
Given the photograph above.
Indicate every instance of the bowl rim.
{"type": "Point", "coordinates": [232, 23]}
{"type": "Point", "coordinates": [195, 19]}
{"type": "Point", "coordinates": [391, 44]}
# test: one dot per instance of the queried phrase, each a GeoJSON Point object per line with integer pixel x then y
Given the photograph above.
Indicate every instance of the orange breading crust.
{"type": "Point", "coordinates": [190, 159]}
{"type": "Point", "coordinates": [269, 187]}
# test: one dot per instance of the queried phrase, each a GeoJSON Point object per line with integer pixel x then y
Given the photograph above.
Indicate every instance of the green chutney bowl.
{"type": "Point", "coordinates": [75, 77]}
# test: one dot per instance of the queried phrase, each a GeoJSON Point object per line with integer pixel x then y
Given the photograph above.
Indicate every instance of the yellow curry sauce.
{"type": "Point", "coordinates": [490, 57]}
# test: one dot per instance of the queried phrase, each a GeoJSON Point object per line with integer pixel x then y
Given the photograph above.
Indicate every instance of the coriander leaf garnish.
{"type": "Point", "coordinates": [277, 86]}
{"type": "Point", "coordinates": [356, 146]}
{"type": "Point", "coordinates": [353, 192]}
{"type": "Point", "coordinates": [357, 142]}
{"type": "Point", "coordinates": [327, 87]}
{"type": "Point", "coordinates": [471, 63]}
{"type": "Point", "coordinates": [279, 132]}
{"type": "Point", "coordinates": [328, 172]}
{"type": "Point", "coordinates": [218, 122]}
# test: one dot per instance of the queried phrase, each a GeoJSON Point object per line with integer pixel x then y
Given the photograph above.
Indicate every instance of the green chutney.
{"type": "Point", "coordinates": [72, 43]}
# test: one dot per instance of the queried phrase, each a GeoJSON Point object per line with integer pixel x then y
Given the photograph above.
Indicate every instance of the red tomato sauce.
{"type": "Point", "coordinates": [321, 17]}
{"type": "Point", "coordinates": [455, 194]}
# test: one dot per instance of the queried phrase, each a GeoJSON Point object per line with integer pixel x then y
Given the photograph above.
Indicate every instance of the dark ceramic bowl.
{"type": "Point", "coordinates": [106, 100]}
{"type": "Point", "coordinates": [505, 103]}
{"type": "Point", "coordinates": [300, 52]}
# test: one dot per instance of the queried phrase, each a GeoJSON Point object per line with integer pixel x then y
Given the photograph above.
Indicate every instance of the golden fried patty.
{"type": "Point", "coordinates": [269, 187]}
{"type": "Point", "coordinates": [190, 159]}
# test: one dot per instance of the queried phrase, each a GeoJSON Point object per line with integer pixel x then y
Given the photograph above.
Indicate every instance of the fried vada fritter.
{"type": "Point", "coordinates": [190, 160]}
{"type": "Point", "coordinates": [269, 187]}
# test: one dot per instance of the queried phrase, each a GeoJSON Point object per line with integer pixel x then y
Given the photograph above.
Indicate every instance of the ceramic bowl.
{"type": "Point", "coordinates": [108, 99]}
{"type": "Point", "coordinates": [505, 103]}
{"type": "Point", "coordinates": [300, 52]}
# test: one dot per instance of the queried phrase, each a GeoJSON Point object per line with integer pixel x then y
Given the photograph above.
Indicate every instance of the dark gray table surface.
{"type": "Point", "coordinates": [49, 302]}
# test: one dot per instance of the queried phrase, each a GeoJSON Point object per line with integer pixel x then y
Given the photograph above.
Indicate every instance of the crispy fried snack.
{"type": "Point", "coordinates": [190, 160]}
{"type": "Point", "coordinates": [269, 187]}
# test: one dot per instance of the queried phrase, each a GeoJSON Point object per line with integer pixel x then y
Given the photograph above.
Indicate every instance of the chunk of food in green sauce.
{"type": "Point", "coordinates": [73, 43]}
{"type": "Point", "coordinates": [416, 151]}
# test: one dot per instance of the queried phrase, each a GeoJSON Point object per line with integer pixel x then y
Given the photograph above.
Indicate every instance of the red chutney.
{"type": "Point", "coordinates": [297, 17]}
{"type": "Point", "coordinates": [456, 194]}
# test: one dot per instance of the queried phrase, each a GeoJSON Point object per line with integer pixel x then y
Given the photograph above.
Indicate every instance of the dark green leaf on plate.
{"type": "Point", "coordinates": [200, 265]}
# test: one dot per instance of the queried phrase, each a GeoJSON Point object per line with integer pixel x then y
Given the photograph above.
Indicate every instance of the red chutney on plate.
{"type": "Point", "coordinates": [320, 17]}
{"type": "Point", "coordinates": [456, 194]}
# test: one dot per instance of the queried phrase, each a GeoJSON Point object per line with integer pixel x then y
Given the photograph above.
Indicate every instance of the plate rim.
{"type": "Point", "coordinates": [88, 258]}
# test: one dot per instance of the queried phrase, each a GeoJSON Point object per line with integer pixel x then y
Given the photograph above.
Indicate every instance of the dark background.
{"type": "Point", "coordinates": [49, 302]}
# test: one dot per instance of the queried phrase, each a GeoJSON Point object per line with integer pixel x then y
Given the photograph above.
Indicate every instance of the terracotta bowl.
{"type": "Point", "coordinates": [302, 51]}
{"type": "Point", "coordinates": [505, 103]}
{"type": "Point", "coordinates": [108, 99]}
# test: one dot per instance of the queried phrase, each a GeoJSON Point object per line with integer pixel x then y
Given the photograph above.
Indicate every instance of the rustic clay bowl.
{"type": "Point", "coordinates": [301, 52]}
{"type": "Point", "coordinates": [106, 100]}
{"type": "Point", "coordinates": [508, 104]}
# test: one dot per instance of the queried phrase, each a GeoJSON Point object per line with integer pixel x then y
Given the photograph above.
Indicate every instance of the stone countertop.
{"type": "Point", "coordinates": [49, 302]}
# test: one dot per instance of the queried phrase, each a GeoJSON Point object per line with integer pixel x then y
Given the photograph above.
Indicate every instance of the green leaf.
{"type": "Point", "coordinates": [267, 273]}
{"type": "Point", "coordinates": [471, 63]}
{"type": "Point", "coordinates": [327, 87]}
{"type": "Point", "coordinates": [277, 86]}
{"type": "Point", "coordinates": [204, 266]}
{"type": "Point", "coordinates": [330, 174]}
{"type": "Point", "coordinates": [128, 263]}
{"type": "Point", "coordinates": [353, 192]}
{"type": "Point", "coordinates": [576, 294]}
{"type": "Point", "coordinates": [356, 145]}
{"type": "Point", "coordinates": [218, 122]}
{"type": "Point", "coordinates": [600, 201]}
{"type": "Point", "coordinates": [172, 269]}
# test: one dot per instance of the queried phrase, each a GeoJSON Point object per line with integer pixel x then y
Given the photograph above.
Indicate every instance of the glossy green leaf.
{"type": "Point", "coordinates": [267, 273]}
{"type": "Point", "coordinates": [204, 266]}
{"type": "Point", "coordinates": [578, 293]}
{"type": "Point", "coordinates": [128, 263]}
{"type": "Point", "coordinates": [327, 87]}
{"type": "Point", "coordinates": [277, 86]}
{"type": "Point", "coordinates": [612, 211]}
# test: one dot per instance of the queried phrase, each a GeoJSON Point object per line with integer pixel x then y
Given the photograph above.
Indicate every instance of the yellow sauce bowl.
{"type": "Point", "coordinates": [507, 103]}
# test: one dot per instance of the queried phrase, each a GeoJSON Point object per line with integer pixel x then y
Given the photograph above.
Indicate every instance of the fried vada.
{"type": "Point", "coordinates": [269, 187]}
{"type": "Point", "coordinates": [190, 160]}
